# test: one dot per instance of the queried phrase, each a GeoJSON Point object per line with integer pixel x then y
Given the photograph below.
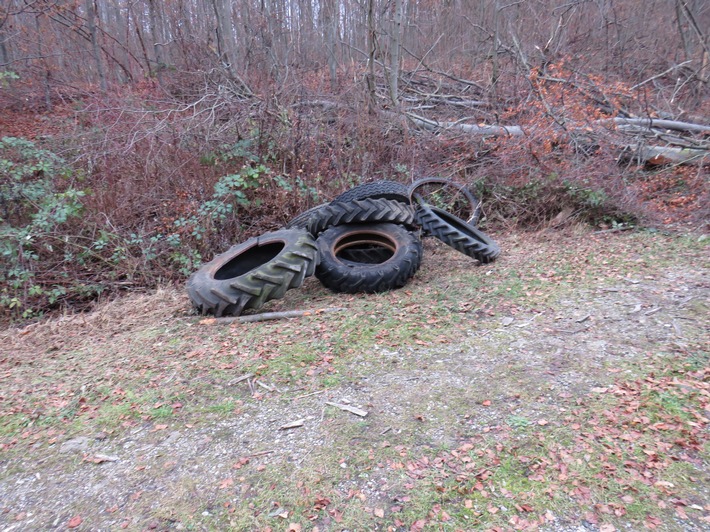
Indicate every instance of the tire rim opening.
{"type": "Point", "coordinates": [366, 248]}
{"type": "Point", "coordinates": [247, 261]}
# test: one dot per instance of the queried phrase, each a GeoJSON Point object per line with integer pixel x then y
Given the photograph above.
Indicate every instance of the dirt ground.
{"type": "Point", "coordinates": [141, 416]}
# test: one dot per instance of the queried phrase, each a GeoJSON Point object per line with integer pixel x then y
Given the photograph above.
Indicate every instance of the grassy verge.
{"type": "Point", "coordinates": [567, 382]}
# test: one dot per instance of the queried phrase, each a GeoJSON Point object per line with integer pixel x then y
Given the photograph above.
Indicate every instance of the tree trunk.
{"type": "Point", "coordinates": [330, 25]}
{"type": "Point", "coordinates": [47, 74]}
{"type": "Point", "coordinates": [91, 24]}
{"type": "Point", "coordinates": [395, 46]}
{"type": "Point", "coordinates": [155, 24]}
{"type": "Point", "coordinates": [225, 34]}
{"type": "Point", "coordinates": [371, 44]}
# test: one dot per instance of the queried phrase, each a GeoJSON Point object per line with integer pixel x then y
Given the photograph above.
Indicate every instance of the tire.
{"type": "Point", "coordinates": [466, 197]}
{"type": "Point", "coordinates": [341, 274]}
{"type": "Point", "coordinates": [302, 220]}
{"type": "Point", "coordinates": [390, 190]}
{"type": "Point", "coordinates": [368, 210]}
{"type": "Point", "coordinates": [254, 272]}
{"type": "Point", "coordinates": [457, 233]}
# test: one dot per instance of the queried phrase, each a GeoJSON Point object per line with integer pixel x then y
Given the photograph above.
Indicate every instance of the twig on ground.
{"type": "Point", "coordinates": [240, 379]}
{"type": "Point", "coordinates": [293, 424]}
{"type": "Point", "coordinates": [307, 395]}
{"type": "Point", "coordinates": [266, 316]}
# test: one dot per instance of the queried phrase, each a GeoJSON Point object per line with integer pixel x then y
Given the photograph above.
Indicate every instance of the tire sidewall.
{"type": "Point", "coordinates": [403, 263]}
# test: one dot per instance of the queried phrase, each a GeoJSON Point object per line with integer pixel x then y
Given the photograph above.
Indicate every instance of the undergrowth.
{"type": "Point", "coordinates": [131, 200]}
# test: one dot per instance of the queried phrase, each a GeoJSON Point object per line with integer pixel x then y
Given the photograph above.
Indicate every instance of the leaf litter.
{"type": "Point", "coordinates": [592, 412]}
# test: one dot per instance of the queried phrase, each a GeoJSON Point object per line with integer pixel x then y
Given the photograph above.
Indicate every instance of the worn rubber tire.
{"type": "Point", "coordinates": [475, 204]}
{"type": "Point", "coordinates": [384, 189]}
{"type": "Point", "coordinates": [254, 272]}
{"type": "Point", "coordinates": [368, 210]}
{"type": "Point", "coordinates": [457, 233]}
{"type": "Point", "coordinates": [302, 220]}
{"type": "Point", "coordinates": [340, 274]}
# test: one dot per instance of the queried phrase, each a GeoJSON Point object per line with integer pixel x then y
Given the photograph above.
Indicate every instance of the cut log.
{"type": "Point", "coordinates": [660, 155]}
{"type": "Point", "coordinates": [648, 123]}
{"type": "Point", "coordinates": [495, 131]}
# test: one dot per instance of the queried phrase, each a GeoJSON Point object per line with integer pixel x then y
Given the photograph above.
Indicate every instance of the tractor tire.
{"type": "Point", "coordinates": [400, 260]}
{"type": "Point", "coordinates": [368, 210]}
{"type": "Point", "coordinates": [462, 194]}
{"type": "Point", "coordinates": [457, 233]}
{"type": "Point", "coordinates": [302, 220]}
{"type": "Point", "coordinates": [254, 272]}
{"type": "Point", "coordinates": [390, 190]}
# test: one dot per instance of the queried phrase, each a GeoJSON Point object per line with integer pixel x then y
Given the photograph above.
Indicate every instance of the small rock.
{"type": "Point", "coordinates": [75, 445]}
{"type": "Point", "coordinates": [172, 438]}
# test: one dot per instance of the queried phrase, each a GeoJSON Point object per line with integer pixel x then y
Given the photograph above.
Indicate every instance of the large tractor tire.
{"type": "Point", "coordinates": [368, 210]}
{"type": "Point", "coordinates": [457, 233]}
{"type": "Point", "coordinates": [367, 257]}
{"type": "Point", "coordinates": [390, 190]}
{"type": "Point", "coordinates": [254, 272]}
{"type": "Point", "coordinates": [303, 219]}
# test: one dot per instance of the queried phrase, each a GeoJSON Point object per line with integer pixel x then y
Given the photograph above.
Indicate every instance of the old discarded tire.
{"type": "Point", "coordinates": [302, 220]}
{"type": "Point", "coordinates": [455, 198]}
{"type": "Point", "coordinates": [368, 210]}
{"type": "Point", "coordinates": [256, 271]}
{"type": "Point", "coordinates": [390, 190]}
{"type": "Point", "coordinates": [398, 257]}
{"type": "Point", "coordinates": [457, 233]}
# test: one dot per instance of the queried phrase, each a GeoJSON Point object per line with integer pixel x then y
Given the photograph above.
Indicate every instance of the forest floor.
{"type": "Point", "coordinates": [563, 387]}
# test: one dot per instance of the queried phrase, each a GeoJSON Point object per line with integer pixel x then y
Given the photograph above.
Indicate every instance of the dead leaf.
{"type": "Point", "coordinates": [543, 422]}
{"type": "Point", "coordinates": [294, 527]}
{"type": "Point", "coordinates": [486, 403]}
{"type": "Point", "coordinates": [226, 483]}
{"type": "Point", "coordinates": [379, 512]}
{"type": "Point", "coordinates": [418, 525]}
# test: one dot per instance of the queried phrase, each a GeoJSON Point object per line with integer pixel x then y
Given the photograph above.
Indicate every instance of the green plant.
{"type": "Point", "coordinates": [32, 208]}
{"type": "Point", "coordinates": [6, 76]}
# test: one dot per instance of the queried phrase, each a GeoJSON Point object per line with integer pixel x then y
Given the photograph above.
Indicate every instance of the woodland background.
{"type": "Point", "coordinates": [141, 137]}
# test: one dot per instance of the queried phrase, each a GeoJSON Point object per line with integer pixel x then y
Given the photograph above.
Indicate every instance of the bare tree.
{"type": "Point", "coordinates": [91, 26]}
{"type": "Point", "coordinates": [395, 44]}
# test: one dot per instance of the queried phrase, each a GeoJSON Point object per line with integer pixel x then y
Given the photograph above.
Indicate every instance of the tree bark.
{"type": "Point", "coordinates": [371, 47]}
{"type": "Point", "coordinates": [395, 47]}
{"type": "Point", "coordinates": [330, 21]}
{"type": "Point", "coordinates": [225, 34]}
{"type": "Point", "coordinates": [155, 25]}
{"type": "Point", "coordinates": [91, 24]}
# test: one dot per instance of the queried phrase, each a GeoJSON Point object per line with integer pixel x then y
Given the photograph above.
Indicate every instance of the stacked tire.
{"type": "Point", "coordinates": [366, 240]}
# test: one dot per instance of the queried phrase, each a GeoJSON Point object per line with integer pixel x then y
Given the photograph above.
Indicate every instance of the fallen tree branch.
{"type": "Point", "coordinates": [659, 155]}
{"type": "Point", "coordinates": [496, 131]}
{"type": "Point", "coordinates": [266, 316]}
{"type": "Point", "coordinates": [649, 123]}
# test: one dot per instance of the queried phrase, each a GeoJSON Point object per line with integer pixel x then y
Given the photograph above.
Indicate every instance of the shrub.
{"type": "Point", "coordinates": [33, 211]}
